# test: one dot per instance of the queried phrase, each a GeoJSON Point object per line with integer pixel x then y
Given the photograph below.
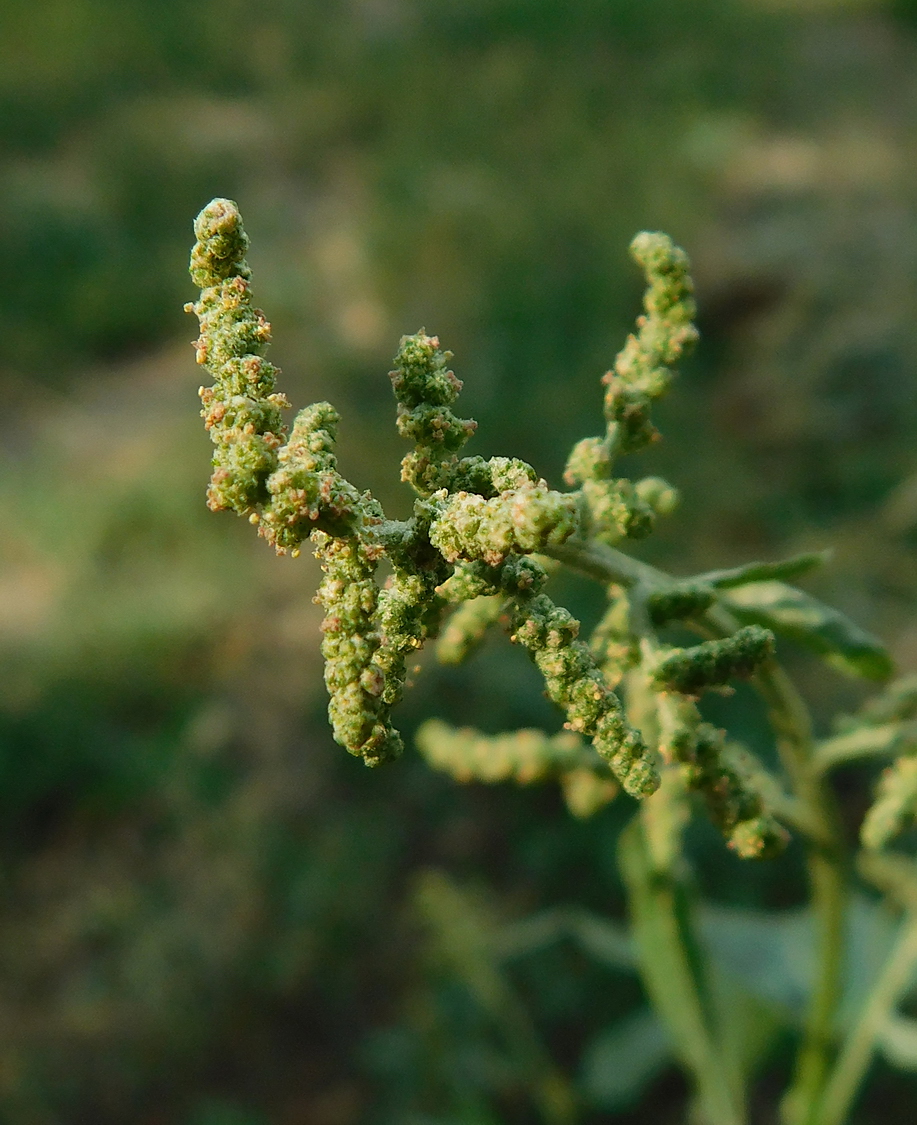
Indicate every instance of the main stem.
{"type": "Point", "coordinates": [827, 877]}
{"type": "Point", "coordinates": [792, 725]}
{"type": "Point", "coordinates": [671, 971]}
{"type": "Point", "coordinates": [853, 1061]}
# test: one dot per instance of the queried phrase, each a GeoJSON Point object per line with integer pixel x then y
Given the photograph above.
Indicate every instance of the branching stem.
{"type": "Point", "coordinates": [670, 965]}
{"type": "Point", "coordinates": [850, 1069]}
{"type": "Point", "coordinates": [790, 719]}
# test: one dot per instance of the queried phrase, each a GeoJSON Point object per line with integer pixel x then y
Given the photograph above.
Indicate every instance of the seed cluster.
{"type": "Point", "coordinates": [473, 554]}
{"type": "Point", "coordinates": [355, 672]}
{"type": "Point", "coordinates": [714, 663]}
{"type": "Point", "coordinates": [523, 756]}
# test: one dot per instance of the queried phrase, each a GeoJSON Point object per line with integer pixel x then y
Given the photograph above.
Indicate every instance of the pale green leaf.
{"type": "Point", "coordinates": [762, 572]}
{"type": "Point", "coordinates": [798, 616]}
{"type": "Point", "coordinates": [621, 1061]}
{"type": "Point", "coordinates": [772, 953]}
{"type": "Point", "coordinates": [606, 941]}
{"type": "Point", "coordinates": [898, 1042]}
{"type": "Point", "coordinates": [885, 741]}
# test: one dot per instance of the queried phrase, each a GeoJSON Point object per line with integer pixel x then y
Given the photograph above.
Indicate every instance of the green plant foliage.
{"type": "Point", "coordinates": [623, 1060]}
{"type": "Point", "coordinates": [475, 529]}
{"type": "Point", "coordinates": [475, 548]}
{"type": "Point", "coordinates": [794, 614]}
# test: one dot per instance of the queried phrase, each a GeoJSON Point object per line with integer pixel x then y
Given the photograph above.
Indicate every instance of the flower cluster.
{"type": "Point", "coordinates": [478, 549]}
{"type": "Point", "coordinates": [643, 370]}
{"type": "Point", "coordinates": [492, 515]}
{"type": "Point", "coordinates": [523, 756]}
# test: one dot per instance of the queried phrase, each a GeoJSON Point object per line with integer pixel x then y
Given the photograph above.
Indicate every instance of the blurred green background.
{"type": "Point", "coordinates": [211, 915]}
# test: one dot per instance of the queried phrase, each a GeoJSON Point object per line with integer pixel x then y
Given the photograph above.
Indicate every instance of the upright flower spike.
{"type": "Point", "coordinates": [291, 489]}
{"type": "Point", "coordinates": [306, 492]}
{"type": "Point", "coordinates": [240, 410]}
{"type": "Point", "coordinates": [471, 539]}
{"type": "Point", "coordinates": [644, 368]}
{"type": "Point", "coordinates": [425, 390]}
{"type": "Point", "coordinates": [645, 365]}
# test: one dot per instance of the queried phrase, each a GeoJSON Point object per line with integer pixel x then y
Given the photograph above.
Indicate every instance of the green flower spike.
{"type": "Point", "coordinates": [470, 546]}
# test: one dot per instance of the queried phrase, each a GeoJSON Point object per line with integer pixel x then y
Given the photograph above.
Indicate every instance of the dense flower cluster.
{"type": "Point", "coordinates": [470, 512]}
{"type": "Point", "coordinates": [523, 756]}
{"type": "Point", "coordinates": [477, 551]}
{"type": "Point", "coordinates": [480, 546]}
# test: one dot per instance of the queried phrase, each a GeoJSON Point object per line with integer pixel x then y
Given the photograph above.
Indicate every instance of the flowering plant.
{"type": "Point", "coordinates": [478, 552]}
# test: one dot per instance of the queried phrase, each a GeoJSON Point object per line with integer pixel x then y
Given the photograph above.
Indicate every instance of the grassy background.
{"type": "Point", "coordinates": [210, 912]}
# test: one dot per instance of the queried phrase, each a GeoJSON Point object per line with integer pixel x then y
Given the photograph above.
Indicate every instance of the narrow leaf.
{"type": "Point", "coordinates": [606, 941]}
{"type": "Point", "coordinates": [461, 933]}
{"type": "Point", "coordinates": [621, 1061]}
{"type": "Point", "coordinates": [798, 616]}
{"type": "Point", "coordinates": [898, 1041]}
{"type": "Point", "coordinates": [762, 572]}
{"type": "Point", "coordinates": [885, 741]}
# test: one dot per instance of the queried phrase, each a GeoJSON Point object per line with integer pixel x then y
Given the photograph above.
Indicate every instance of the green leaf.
{"type": "Point", "coordinates": [769, 953]}
{"type": "Point", "coordinates": [898, 1042]}
{"type": "Point", "coordinates": [772, 954]}
{"type": "Point", "coordinates": [761, 572]}
{"type": "Point", "coordinates": [791, 613]}
{"type": "Point", "coordinates": [607, 942]}
{"type": "Point", "coordinates": [896, 702]}
{"type": "Point", "coordinates": [885, 741]}
{"type": "Point", "coordinates": [622, 1060]}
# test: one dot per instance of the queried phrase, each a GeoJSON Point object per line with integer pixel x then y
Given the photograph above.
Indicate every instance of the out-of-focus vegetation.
{"type": "Point", "coordinates": [211, 915]}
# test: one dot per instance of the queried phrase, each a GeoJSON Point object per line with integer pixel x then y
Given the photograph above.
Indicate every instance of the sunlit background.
{"type": "Point", "coordinates": [210, 914]}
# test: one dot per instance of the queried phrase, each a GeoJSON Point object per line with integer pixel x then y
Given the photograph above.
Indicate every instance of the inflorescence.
{"type": "Point", "coordinates": [477, 551]}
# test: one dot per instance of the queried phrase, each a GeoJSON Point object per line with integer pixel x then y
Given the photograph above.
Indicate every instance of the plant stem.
{"type": "Point", "coordinates": [792, 725]}
{"type": "Point", "coordinates": [605, 564]}
{"type": "Point", "coordinates": [672, 972]}
{"type": "Point", "coordinates": [851, 1066]}
{"type": "Point", "coordinates": [827, 877]}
